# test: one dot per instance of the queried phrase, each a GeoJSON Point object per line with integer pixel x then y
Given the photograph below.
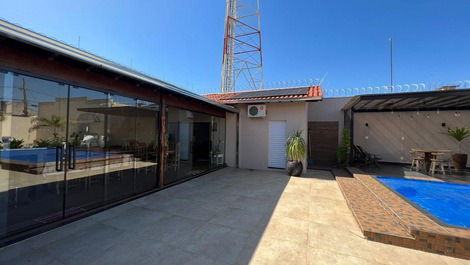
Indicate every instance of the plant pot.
{"type": "Point", "coordinates": [294, 168]}
{"type": "Point", "coordinates": [459, 161]}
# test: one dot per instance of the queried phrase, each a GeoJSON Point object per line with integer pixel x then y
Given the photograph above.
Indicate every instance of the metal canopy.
{"type": "Point", "coordinates": [458, 99]}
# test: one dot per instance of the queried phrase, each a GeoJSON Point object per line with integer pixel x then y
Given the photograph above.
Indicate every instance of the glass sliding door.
{"type": "Point", "coordinates": [217, 142]}
{"type": "Point", "coordinates": [201, 144]}
{"type": "Point", "coordinates": [146, 145]}
{"type": "Point", "coordinates": [86, 154]}
{"type": "Point", "coordinates": [33, 122]}
{"type": "Point", "coordinates": [65, 150]}
{"type": "Point", "coordinates": [189, 147]}
{"type": "Point", "coordinates": [122, 147]}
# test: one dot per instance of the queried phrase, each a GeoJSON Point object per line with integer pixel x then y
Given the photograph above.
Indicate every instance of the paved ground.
{"type": "Point", "coordinates": [231, 216]}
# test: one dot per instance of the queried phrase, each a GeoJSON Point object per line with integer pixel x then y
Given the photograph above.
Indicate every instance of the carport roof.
{"type": "Point", "coordinates": [456, 99]}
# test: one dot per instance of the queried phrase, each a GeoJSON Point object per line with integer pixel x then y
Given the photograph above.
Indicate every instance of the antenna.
{"type": "Point", "coordinates": [242, 61]}
{"type": "Point", "coordinates": [391, 65]}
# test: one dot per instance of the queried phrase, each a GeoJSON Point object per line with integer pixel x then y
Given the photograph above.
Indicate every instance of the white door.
{"type": "Point", "coordinates": [277, 144]}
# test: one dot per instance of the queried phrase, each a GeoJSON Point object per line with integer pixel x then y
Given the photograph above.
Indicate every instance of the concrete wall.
{"type": "Point", "coordinates": [328, 109]}
{"type": "Point", "coordinates": [392, 135]}
{"type": "Point", "coordinates": [231, 140]}
{"type": "Point", "coordinates": [253, 132]}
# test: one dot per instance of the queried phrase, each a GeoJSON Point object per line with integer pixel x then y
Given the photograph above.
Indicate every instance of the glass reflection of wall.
{"type": "Point", "coordinates": [121, 144]}
{"type": "Point", "coordinates": [32, 122]}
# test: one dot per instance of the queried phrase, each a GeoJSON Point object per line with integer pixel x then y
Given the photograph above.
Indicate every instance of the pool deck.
{"type": "Point", "coordinates": [230, 216]}
{"type": "Point", "coordinates": [386, 217]}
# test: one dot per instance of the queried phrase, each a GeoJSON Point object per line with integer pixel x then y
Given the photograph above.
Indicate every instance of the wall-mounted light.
{"type": "Point", "coordinates": [443, 124]}
{"type": "Point", "coordinates": [457, 114]}
{"type": "Point", "coordinates": [367, 124]}
{"type": "Point", "coordinates": [428, 116]}
{"type": "Point", "coordinates": [437, 111]}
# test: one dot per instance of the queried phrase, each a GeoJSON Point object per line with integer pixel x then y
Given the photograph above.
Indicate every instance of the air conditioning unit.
{"type": "Point", "coordinates": [256, 111]}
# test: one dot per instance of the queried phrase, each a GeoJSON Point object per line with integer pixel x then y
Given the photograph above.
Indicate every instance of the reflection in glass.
{"type": "Point", "coordinates": [87, 157]}
{"type": "Point", "coordinates": [32, 123]}
{"type": "Point", "coordinates": [146, 145]}
{"type": "Point", "coordinates": [121, 145]}
{"type": "Point", "coordinates": [218, 142]}
{"type": "Point", "coordinates": [195, 143]}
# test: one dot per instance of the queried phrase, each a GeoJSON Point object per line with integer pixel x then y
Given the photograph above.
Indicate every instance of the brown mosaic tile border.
{"type": "Point", "coordinates": [386, 217]}
{"type": "Point", "coordinates": [372, 217]}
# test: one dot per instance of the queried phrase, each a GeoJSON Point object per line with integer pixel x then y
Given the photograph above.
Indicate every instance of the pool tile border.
{"type": "Point", "coordinates": [422, 232]}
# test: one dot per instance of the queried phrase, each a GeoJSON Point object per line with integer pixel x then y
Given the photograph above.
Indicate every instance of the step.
{"type": "Point", "coordinates": [374, 220]}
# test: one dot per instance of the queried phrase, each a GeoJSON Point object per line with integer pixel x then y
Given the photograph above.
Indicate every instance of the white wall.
{"type": "Point", "coordinates": [392, 135]}
{"type": "Point", "coordinates": [253, 132]}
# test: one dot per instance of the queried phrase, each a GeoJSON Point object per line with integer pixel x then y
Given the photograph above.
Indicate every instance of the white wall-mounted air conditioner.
{"type": "Point", "coordinates": [256, 111]}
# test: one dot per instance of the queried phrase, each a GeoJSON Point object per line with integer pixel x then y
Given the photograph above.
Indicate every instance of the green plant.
{"type": "Point", "coordinates": [55, 123]}
{"type": "Point", "coordinates": [459, 134]}
{"type": "Point", "coordinates": [343, 150]}
{"type": "Point", "coordinates": [296, 147]}
{"type": "Point", "coordinates": [16, 143]}
{"type": "Point", "coordinates": [42, 143]}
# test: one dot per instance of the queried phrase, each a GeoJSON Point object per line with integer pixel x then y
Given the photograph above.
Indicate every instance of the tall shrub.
{"type": "Point", "coordinates": [345, 146]}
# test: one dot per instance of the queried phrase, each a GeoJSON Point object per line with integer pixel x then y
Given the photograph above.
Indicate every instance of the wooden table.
{"type": "Point", "coordinates": [428, 155]}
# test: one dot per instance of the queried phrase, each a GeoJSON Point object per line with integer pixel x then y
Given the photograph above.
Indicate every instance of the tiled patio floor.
{"type": "Point", "coordinates": [231, 216]}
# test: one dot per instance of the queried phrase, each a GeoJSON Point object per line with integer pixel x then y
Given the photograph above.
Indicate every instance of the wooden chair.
{"type": "Point", "coordinates": [418, 162]}
{"type": "Point", "coordinates": [440, 161]}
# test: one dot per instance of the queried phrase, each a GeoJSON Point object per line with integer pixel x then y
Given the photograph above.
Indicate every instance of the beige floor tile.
{"type": "Point", "coordinates": [273, 251]}
{"type": "Point", "coordinates": [321, 257]}
{"type": "Point", "coordinates": [285, 228]}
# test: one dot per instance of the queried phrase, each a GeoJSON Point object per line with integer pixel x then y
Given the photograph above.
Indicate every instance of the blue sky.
{"type": "Point", "coordinates": [181, 41]}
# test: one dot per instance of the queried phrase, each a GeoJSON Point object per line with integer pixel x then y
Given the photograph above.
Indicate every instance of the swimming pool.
{"type": "Point", "coordinates": [448, 202]}
{"type": "Point", "coordinates": [42, 155]}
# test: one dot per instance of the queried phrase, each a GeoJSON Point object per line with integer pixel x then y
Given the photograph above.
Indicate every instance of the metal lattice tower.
{"type": "Point", "coordinates": [242, 64]}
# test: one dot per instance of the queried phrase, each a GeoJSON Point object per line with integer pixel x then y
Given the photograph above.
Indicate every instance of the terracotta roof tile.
{"type": "Point", "coordinates": [300, 93]}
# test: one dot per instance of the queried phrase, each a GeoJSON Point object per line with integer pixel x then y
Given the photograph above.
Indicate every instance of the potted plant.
{"type": "Point", "coordinates": [296, 151]}
{"type": "Point", "coordinates": [459, 134]}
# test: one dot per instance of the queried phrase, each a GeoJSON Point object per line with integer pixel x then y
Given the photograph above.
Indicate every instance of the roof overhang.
{"type": "Point", "coordinates": [18, 33]}
{"type": "Point", "coordinates": [457, 99]}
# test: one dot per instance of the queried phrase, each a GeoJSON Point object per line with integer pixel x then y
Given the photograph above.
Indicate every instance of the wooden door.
{"type": "Point", "coordinates": [322, 143]}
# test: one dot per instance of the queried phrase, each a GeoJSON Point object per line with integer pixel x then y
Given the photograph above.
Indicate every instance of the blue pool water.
{"type": "Point", "coordinates": [42, 155]}
{"type": "Point", "coordinates": [448, 202]}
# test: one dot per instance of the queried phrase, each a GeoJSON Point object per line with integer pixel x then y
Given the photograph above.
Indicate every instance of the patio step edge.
{"type": "Point", "coordinates": [374, 220]}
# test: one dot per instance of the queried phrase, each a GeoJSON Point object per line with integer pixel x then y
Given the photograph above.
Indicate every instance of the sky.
{"type": "Point", "coordinates": [345, 41]}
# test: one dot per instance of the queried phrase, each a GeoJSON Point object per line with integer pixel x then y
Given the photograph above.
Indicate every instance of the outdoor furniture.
{"type": "Point", "coordinates": [428, 155]}
{"type": "Point", "coordinates": [365, 158]}
{"type": "Point", "coordinates": [440, 161]}
{"type": "Point", "coordinates": [417, 161]}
